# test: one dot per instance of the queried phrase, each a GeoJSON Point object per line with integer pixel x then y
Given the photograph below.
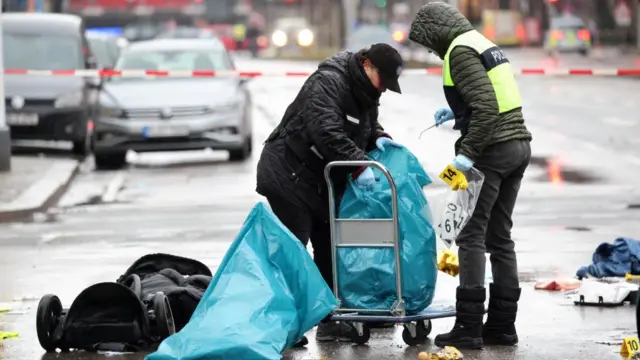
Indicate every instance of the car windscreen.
{"type": "Point", "coordinates": [41, 51]}
{"type": "Point", "coordinates": [174, 60]}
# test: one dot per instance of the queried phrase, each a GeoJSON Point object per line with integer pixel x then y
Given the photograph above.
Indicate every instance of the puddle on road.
{"type": "Point", "coordinates": [557, 173]}
{"type": "Point", "coordinates": [578, 228]}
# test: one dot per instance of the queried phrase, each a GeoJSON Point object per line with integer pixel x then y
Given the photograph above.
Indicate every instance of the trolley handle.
{"type": "Point", "coordinates": [360, 163]}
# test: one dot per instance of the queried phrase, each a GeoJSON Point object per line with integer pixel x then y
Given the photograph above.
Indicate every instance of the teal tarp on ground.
{"type": "Point", "coordinates": [265, 295]}
{"type": "Point", "coordinates": [367, 275]}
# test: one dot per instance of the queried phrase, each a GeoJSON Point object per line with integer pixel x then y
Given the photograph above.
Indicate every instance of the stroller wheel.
{"type": "Point", "coordinates": [134, 283]}
{"type": "Point", "coordinates": [420, 336]}
{"type": "Point", "coordinates": [164, 317]}
{"type": "Point", "coordinates": [360, 333]}
{"type": "Point", "coordinates": [48, 317]}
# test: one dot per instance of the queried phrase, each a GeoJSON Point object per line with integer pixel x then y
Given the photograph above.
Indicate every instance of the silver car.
{"type": "Point", "coordinates": [173, 113]}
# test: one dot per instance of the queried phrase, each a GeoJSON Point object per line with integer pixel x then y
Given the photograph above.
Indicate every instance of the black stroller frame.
{"type": "Point", "coordinates": [144, 320]}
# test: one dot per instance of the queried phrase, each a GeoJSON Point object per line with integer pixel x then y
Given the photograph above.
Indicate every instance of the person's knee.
{"type": "Point", "coordinates": [496, 244]}
{"type": "Point", "coordinates": [471, 238]}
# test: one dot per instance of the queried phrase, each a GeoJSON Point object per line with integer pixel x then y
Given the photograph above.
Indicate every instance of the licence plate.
{"type": "Point", "coordinates": [165, 131]}
{"type": "Point", "coordinates": [22, 119]}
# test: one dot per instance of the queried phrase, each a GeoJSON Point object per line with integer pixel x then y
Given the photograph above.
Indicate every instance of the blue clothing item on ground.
{"type": "Point", "coordinates": [366, 276]}
{"type": "Point", "coordinates": [613, 260]}
{"type": "Point", "coordinates": [265, 295]}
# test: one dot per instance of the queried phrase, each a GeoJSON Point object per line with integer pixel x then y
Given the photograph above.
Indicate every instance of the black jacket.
{"type": "Point", "coordinates": [333, 117]}
{"type": "Point", "coordinates": [436, 26]}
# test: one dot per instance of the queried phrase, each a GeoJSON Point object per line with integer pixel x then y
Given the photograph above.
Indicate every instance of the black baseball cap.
{"type": "Point", "coordinates": [389, 64]}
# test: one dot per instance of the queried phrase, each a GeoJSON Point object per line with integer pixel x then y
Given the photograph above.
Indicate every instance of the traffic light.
{"type": "Point", "coordinates": [381, 3]}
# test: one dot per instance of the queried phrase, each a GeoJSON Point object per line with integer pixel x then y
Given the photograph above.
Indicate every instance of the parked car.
{"type": "Point", "coordinates": [47, 107]}
{"type": "Point", "coordinates": [568, 33]}
{"type": "Point", "coordinates": [105, 48]}
{"type": "Point", "coordinates": [146, 114]}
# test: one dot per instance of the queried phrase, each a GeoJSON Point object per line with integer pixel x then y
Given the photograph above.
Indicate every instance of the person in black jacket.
{"type": "Point", "coordinates": [485, 103]}
{"type": "Point", "coordinates": [334, 117]}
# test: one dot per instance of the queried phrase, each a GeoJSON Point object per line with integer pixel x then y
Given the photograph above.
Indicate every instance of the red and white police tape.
{"type": "Point", "coordinates": [252, 74]}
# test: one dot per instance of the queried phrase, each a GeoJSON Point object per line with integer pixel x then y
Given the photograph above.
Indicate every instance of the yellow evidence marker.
{"type": "Point", "coordinates": [454, 178]}
{"type": "Point", "coordinates": [629, 346]}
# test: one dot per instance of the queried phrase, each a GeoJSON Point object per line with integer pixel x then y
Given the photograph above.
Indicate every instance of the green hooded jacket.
{"type": "Point", "coordinates": [435, 27]}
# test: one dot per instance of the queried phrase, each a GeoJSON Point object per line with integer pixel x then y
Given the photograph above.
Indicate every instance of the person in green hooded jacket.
{"type": "Point", "coordinates": [484, 101]}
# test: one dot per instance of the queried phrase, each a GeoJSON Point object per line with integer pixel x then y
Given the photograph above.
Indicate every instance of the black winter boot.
{"type": "Point", "coordinates": [500, 327]}
{"type": "Point", "coordinates": [467, 331]}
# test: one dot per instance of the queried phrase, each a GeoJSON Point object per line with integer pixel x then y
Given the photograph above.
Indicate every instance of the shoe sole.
{"type": "Point", "coordinates": [464, 343]}
{"type": "Point", "coordinates": [505, 340]}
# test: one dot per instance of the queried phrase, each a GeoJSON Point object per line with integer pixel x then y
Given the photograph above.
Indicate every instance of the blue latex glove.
{"type": "Point", "coordinates": [443, 115]}
{"type": "Point", "coordinates": [381, 142]}
{"type": "Point", "coordinates": [366, 179]}
{"type": "Point", "coordinates": [462, 163]}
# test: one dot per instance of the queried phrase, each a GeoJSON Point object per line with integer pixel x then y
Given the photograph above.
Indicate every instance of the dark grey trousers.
{"type": "Point", "coordinates": [489, 229]}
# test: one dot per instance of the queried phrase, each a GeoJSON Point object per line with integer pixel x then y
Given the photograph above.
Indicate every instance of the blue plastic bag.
{"type": "Point", "coordinates": [366, 276]}
{"type": "Point", "coordinates": [265, 295]}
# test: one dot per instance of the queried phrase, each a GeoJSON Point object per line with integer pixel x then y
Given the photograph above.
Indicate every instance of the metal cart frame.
{"type": "Point", "coordinates": [375, 233]}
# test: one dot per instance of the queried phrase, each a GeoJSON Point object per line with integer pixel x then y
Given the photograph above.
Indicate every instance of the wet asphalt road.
{"type": "Point", "coordinates": [192, 204]}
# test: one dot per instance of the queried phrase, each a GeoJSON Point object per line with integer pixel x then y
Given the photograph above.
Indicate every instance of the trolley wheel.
{"type": "Point", "coordinates": [356, 337]}
{"type": "Point", "coordinates": [134, 283]}
{"type": "Point", "coordinates": [427, 327]}
{"type": "Point", "coordinates": [421, 334]}
{"type": "Point", "coordinates": [47, 320]}
{"type": "Point", "coordinates": [163, 315]}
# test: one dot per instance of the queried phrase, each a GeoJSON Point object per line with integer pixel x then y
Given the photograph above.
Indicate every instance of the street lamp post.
{"type": "Point", "coordinates": [5, 136]}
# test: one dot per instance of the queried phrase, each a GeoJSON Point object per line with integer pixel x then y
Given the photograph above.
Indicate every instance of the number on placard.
{"type": "Point", "coordinates": [449, 174]}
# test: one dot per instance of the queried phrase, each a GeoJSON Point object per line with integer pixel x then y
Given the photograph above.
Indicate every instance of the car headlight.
{"type": "Point", "coordinates": [111, 112]}
{"type": "Point", "coordinates": [279, 38]}
{"type": "Point", "coordinates": [305, 37]}
{"type": "Point", "coordinates": [69, 100]}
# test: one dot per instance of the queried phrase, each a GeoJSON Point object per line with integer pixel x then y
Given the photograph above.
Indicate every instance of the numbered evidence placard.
{"type": "Point", "coordinates": [452, 221]}
{"type": "Point", "coordinates": [629, 346]}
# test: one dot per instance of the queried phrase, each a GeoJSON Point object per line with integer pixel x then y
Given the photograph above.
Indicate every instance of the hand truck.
{"type": "Point", "coordinates": [359, 233]}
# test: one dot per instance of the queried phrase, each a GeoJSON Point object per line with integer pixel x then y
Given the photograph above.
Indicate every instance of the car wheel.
{"type": "Point", "coordinates": [111, 161]}
{"type": "Point", "coordinates": [242, 153]}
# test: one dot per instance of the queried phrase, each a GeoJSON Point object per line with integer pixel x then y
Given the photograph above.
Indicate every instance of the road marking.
{"type": "Point", "coordinates": [112, 188]}
{"type": "Point", "coordinates": [615, 121]}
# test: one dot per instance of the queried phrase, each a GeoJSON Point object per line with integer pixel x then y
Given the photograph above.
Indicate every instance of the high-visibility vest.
{"type": "Point", "coordinates": [498, 69]}
{"type": "Point", "coordinates": [239, 31]}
